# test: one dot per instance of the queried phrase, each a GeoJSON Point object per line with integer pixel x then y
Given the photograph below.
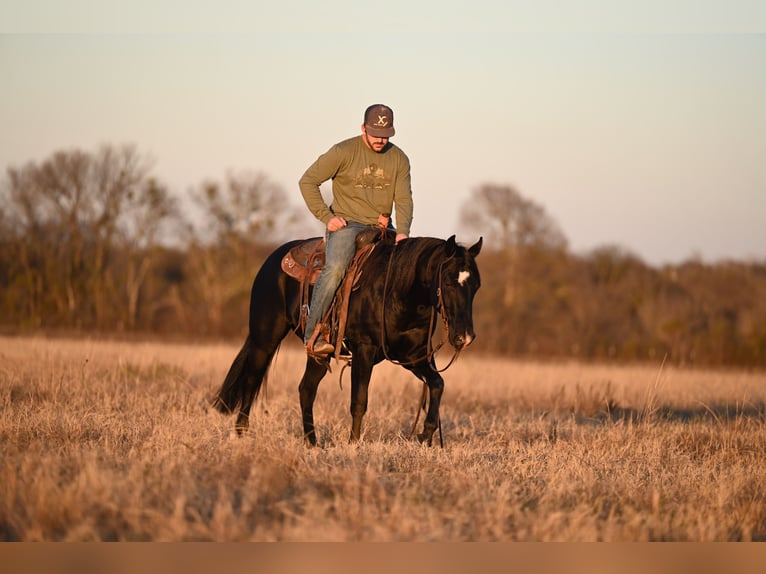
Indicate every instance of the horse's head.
{"type": "Point", "coordinates": [458, 283]}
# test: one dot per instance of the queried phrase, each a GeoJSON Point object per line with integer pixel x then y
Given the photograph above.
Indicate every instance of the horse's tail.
{"type": "Point", "coordinates": [231, 395]}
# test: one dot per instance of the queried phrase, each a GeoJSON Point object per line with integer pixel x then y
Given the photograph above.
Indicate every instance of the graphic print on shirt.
{"type": "Point", "coordinates": [372, 177]}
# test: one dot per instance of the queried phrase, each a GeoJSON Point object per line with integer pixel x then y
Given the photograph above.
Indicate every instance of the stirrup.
{"type": "Point", "coordinates": [317, 346]}
{"type": "Point", "coordinates": [320, 348]}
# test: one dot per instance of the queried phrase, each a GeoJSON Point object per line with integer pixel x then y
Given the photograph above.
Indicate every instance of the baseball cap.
{"type": "Point", "coordinates": [379, 121]}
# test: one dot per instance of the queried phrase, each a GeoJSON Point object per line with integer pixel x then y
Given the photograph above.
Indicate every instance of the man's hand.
{"type": "Point", "coordinates": [400, 236]}
{"type": "Point", "coordinates": [336, 223]}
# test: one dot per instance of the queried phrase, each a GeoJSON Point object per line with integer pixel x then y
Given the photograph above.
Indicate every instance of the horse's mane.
{"type": "Point", "coordinates": [410, 256]}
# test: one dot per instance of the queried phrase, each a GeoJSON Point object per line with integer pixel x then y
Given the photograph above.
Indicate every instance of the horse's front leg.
{"type": "Point", "coordinates": [435, 385]}
{"type": "Point", "coordinates": [361, 371]}
{"type": "Point", "coordinates": [435, 391]}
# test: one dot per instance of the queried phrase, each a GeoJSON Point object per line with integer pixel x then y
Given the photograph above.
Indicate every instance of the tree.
{"type": "Point", "coordinates": [246, 208]}
{"type": "Point", "coordinates": [70, 216]}
{"type": "Point", "coordinates": [513, 225]}
{"type": "Point", "coordinates": [508, 220]}
{"type": "Point", "coordinates": [146, 217]}
{"type": "Point", "coordinates": [239, 220]}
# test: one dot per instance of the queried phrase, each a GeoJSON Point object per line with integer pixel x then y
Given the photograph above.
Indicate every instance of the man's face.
{"type": "Point", "coordinates": [374, 143]}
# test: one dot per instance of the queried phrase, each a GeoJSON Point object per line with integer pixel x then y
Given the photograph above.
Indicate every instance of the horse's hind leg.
{"type": "Point", "coordinates": [274, 309]}
{"type": "Point", "coordinates": [248, 372]}
{"type": "Point", "coordinates": [256, 369]}
{"type": "Point", "coordinates": [308, 391]}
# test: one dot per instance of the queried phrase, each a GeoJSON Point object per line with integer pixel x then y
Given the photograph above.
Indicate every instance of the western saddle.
{"type": "Point", "coordinates": [304, 262]}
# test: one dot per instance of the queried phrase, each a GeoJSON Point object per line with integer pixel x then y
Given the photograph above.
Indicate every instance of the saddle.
{"type": "Point", "coordinates": [305, 261]}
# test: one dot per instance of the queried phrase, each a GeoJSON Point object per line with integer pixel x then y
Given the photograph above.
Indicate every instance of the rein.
{"type": "Point", "coordinates": [417, 417]}
{"type": "Point", "coordinates": [430, 350]}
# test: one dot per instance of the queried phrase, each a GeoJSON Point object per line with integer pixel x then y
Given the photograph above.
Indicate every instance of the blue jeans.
{"type": "Point", "coordinates": [339, 251]}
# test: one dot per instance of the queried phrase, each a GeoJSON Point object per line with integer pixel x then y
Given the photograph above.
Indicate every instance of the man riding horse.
{"type": "Point", "coordinates": [393, 303]}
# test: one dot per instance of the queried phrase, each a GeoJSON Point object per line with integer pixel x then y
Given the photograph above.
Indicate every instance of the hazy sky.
{"type": "Point", "coordinates": [643, 128]}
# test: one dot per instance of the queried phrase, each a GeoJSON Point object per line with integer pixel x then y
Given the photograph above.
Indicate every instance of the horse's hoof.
{"type": "Point", "coordinates": [422, 438]}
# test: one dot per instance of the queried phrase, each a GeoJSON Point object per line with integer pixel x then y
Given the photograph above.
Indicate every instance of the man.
{"type": "Point", "coordinates": [369, 175]}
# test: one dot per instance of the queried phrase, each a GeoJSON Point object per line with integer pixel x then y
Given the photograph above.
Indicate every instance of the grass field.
{"type": "Point", "coordinates": [103, 440]}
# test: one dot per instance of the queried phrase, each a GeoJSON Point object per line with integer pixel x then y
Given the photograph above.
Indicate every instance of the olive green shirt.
{"type": "Point", "coordinates": [365, 184]}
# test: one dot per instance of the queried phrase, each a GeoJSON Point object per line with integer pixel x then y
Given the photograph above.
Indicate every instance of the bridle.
{"type": "Point", "coordinates": [439, 307]}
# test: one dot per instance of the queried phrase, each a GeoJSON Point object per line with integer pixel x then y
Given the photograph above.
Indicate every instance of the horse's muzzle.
{"type": "Point", "coordinates": [463, 341]}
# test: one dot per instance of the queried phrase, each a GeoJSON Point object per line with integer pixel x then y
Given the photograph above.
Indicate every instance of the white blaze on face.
{"type": "Point", "coordinates": [462, 278]}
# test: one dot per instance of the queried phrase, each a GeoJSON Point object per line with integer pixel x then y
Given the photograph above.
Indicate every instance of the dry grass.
{"type": "Point", "coordinates": [109, 441]}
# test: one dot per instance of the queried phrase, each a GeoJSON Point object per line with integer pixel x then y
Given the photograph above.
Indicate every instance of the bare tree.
{"type": "Point", "coordinates": [246, 207]}
{"type": "Point", "coordinates": [151, 209]}
{"type": "Point", "coordinates": [71, 211]}
{"type": "Point", "coordinates": [239, 218]}
{"type": "Point", "coordinates": [507, 219]}
{"type": "Point", "coordinates": [512, 224]}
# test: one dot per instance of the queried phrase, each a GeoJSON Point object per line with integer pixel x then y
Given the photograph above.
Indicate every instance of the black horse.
{"type": "Point", "coordinates": [391, 315]}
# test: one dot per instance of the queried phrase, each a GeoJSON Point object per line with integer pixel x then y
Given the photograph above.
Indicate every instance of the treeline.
{"type": "Point", "coordinates": [93, 243]}
{"type": "Point", "coordinates": [610, 305]}
{"type": "Point", "coordinates": [540, 300]}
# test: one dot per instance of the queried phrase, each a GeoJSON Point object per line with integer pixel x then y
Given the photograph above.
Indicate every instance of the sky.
{"type": "Point", "coordinates": [637, 127]}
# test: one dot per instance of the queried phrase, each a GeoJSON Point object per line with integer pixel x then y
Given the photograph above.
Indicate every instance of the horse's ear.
{"type": "Point", "coordinates": [451, 246]}
{"type": "Point", "coordinates": [476, 247]}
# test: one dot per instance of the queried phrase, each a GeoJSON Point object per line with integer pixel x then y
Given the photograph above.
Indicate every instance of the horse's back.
{"type": "Point", "coordinates": [274, 298]}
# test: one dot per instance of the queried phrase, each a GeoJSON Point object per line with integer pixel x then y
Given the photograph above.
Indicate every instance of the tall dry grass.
{"type": "Point", "coordinates": [110, 441]}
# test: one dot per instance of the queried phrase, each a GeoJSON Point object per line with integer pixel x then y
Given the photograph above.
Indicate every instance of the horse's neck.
{"type": "Point", "coordinates": [430, 264]}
